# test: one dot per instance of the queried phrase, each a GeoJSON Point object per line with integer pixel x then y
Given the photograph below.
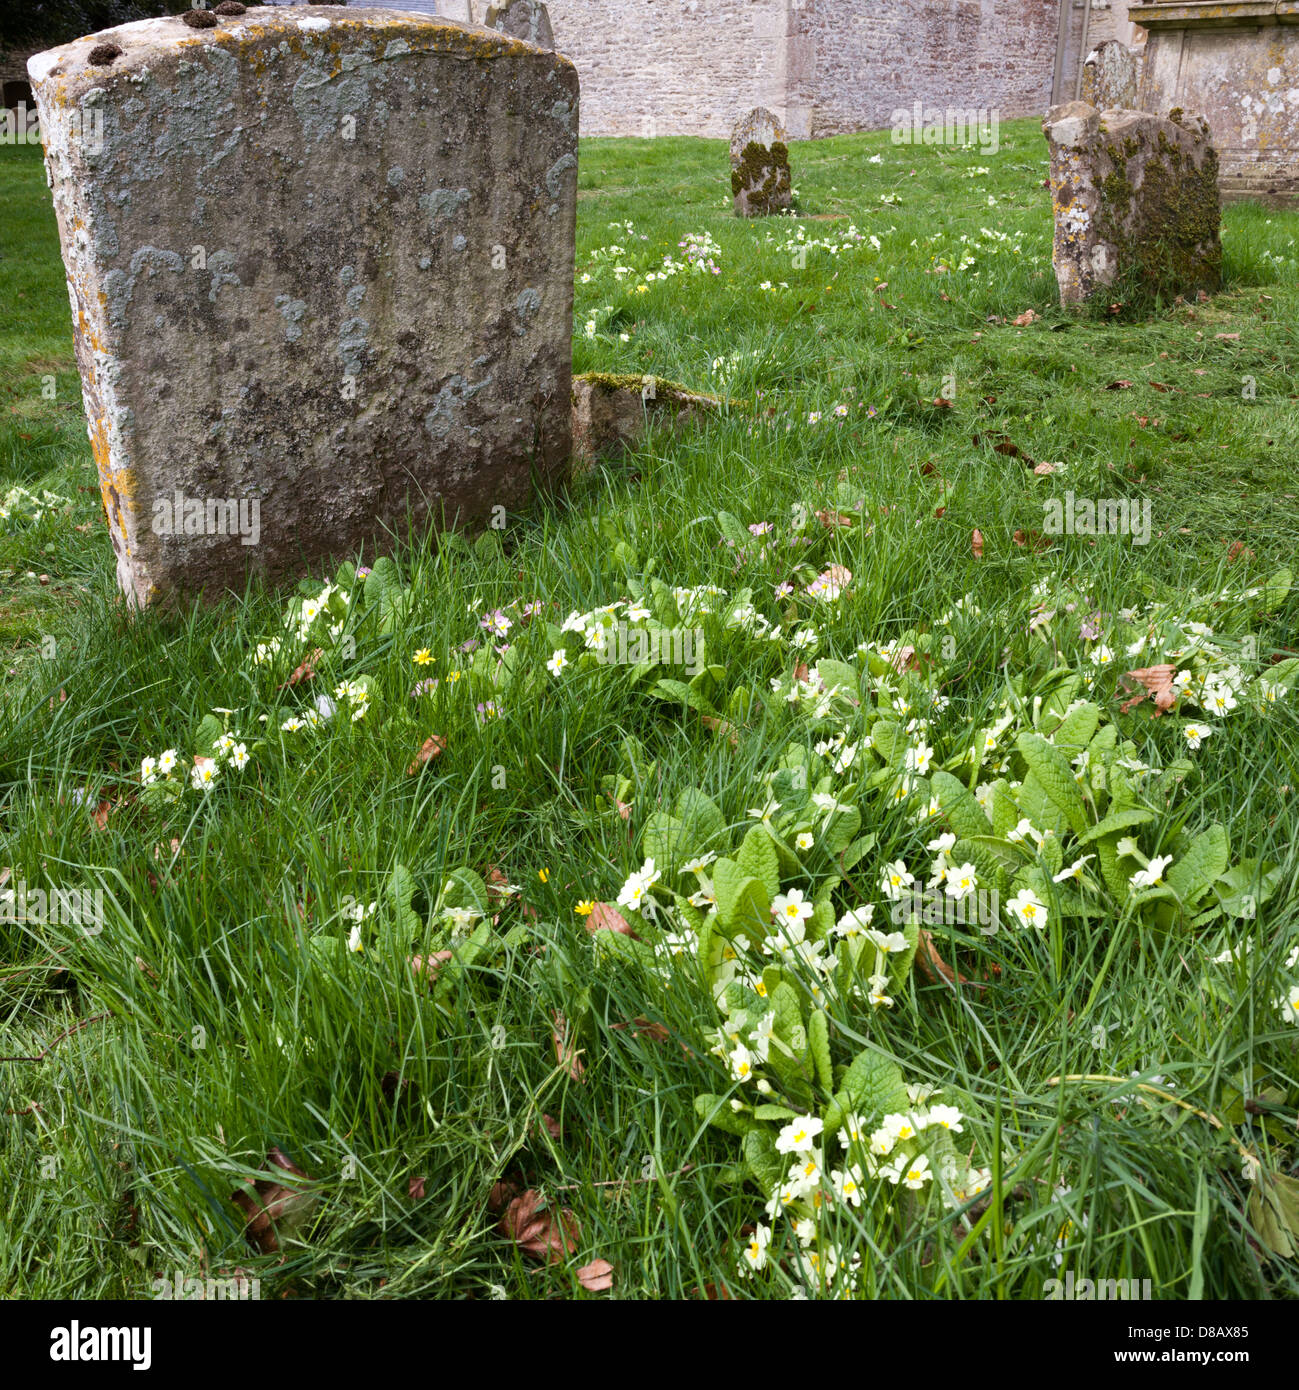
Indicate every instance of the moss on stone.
{"type": "Point", "coordinates": [761, 181]}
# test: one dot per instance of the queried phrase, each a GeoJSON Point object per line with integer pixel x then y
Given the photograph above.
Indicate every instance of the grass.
{"type": "Point", "coordinates": [211, 1020]}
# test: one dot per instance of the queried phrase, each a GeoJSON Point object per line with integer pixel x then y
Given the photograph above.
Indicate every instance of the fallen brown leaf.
{"type": "Point", "coordinates": [642, 1027]}
{"type": "Point", "coordinates": [1229, 337]}
{"type": "Point", "coordinates": [1028, 316]}
{"type": "Point", "coordinates": [1237, 551]}
{"type": "Point", "coordinates": [567, 1053]}
{"type": "Point", "coordinates": [1031, 538]}
{"type": "Point", "coordinates": [428, 966]}
{"type": "Point", "coordinates": [1042, 469]}
{"type": "Point", "coordinates": [597, 1277]}
{"type": "Point", "coordinates": [832, 520]}
{"type": "Point", "coordinates": [305, 672]}
{"type": "Point", "coordinates": [1158, 681]}
{"type": "Point", "coordinates": [1119, 386]}
{"type": "Point", "coordinates": [932, 965]}
{"type": "Point", "coordinates": [271, 1207]}
{"type": "Point", "coordinates": [541, 1233]}
{"type": "Point", "coordinates": [432, 747]}
{"type": "Point", "coordinates": [976, 544]}
{"type": "Point", "coordinates": [417, 1189]}
{"type": "Point", "coordinates": [606, 917]}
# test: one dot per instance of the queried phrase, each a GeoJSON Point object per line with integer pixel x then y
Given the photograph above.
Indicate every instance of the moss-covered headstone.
{"type": "Point", "coordinates": [1136, 199]}
{"type": "Point", "coordinates": [760, 177]}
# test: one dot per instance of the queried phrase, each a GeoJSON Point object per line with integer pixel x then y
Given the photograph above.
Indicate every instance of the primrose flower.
{"type": "Point", "coordinates": [790, 907]}
{"type": "Point", "coordinates": [855, 922]}
{"type": "Point", "coordinates": [1153, 874]}
{"type": "Point", "coordinates": [1028, 909]}
{"type": "Point", "coordinates": [496, 623]}
{"type": "Point", "coordinates": [557, 662]}
{"type": "Point", "coordinates": [847, 1185]}
{"type": "Point", "coordinates": [799, 1136]}
{"type": "Point", "coordinates": [916, 1173]}
{"type": "Point", "coordinates": [754, 1256]}
{"type": "Point", "coordinates": [1195, 734]}
{"type": "Point", "coordinates": [167, 762]}
{"type": "Point", "coordinates": [1073, 871]}
{"type": "Point", "coordinates": [741, 1062]}
{"type": "Point", "coordinates": [148, 771]}
{"type": "Point", "coordinates": [961, 881]}
{"type": "Point", "coordinates": [946, 1117]}
{"type": "Point", "coordinates": [896, 880]}
{"type": "Point", "coordinates": [203, 774]}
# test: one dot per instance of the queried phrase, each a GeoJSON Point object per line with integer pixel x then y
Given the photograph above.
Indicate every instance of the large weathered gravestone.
{"type": "Point", "coordinates": [1136, 197]}
{"type": "Point", "coordinates": [760, 177]}
{"type": "Point", "coordinates": [1110, 77]}
{"type": "Point", "coordinates": [522, 19]}
{"type": "Point", "coordinates": [321, 270]}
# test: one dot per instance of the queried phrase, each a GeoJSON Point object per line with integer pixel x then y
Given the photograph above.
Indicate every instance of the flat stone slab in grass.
{"type": "Point", "coordinates": [1136, 200]}
{"type": "Point", "coordinates": [528, 20]}
{"type": "Point", "coordinates": [760, 179]}
{"type": "Point", "coordinates": [320, 263]}
{"type": "Point", "coordinates": [610, 412]}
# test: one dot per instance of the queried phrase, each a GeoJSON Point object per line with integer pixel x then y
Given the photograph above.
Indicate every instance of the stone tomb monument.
{"type": "Point", "coordinates": [320, 262]}
{"type": "Point", "coordinates": [1134, 195]}
{"type": "Point", "coordinates": [760, 177]}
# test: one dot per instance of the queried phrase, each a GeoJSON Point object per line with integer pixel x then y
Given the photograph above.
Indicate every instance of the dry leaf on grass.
{"type": "Point", "coordinates": [932, 965]}
{"type": "Point", "coordinates": [567, 1053]}
{"type": "Point", "coordinates": [1031, 538]}
{"type": "Point", "coordinates": [271, 1207]}
{"type": "Point", "coordinates": [1238, 550]}
{"type": "Point", "coordinates": [1028, 316]}
{"type": "Point", "coordinates": [976, 544]}
{"type": "Point", "coordinates": [432, 747]}
{"type": "Point", "coordinates": [1158, 681]}
{"type": "Point", "coordinates": [606, 917]}
{"type": "Point", "coordinates": [544, 1234]}
{"type": "Point", "coordinates": [305, 672]}
{"type": "Point", "coordinates": [417, 1189]}
{"type": "Point", "coordinates": [643, 1028]}
{"type": "Point", "coordinates": [1042, 469]}
{"type": "Point", "coordinates": [428, 966]}
{"type": "Point", "coordinates": [1120, 385]}
{"type": "Point", "coordinates": [834, 520]}
{"type": "Point", "coordinates": [597, 1277]}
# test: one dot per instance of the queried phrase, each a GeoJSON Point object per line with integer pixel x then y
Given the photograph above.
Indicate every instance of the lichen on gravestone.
{"type": "Point", "coordinates": [320, 262]}
{"type": "Point", "coordinates": [761, 182]}
{"type": "Point", "coordinates": [1135, 199]}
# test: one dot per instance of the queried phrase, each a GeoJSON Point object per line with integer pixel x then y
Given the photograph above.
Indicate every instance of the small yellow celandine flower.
{"type": "Point", "coordinates": [585, 908]}
{"type": "Point", "coordinates": [422, 657]}
{"type": "Point", "coordinates": [544, 875]}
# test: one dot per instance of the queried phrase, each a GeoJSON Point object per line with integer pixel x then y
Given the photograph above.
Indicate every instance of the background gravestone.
{"type": "Point", "coordinates": [1111, 76]}
{"type": "Point", "coordinates": [522, 19]}
{"type": "Point", "coordinates": [320, 259]}
{"type": "Point", "coordinates": [1135, 197]}
{"type": "Point", "coordinates": [760, 179]}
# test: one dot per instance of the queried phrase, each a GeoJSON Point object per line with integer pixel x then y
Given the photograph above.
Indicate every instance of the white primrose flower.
{"type": "Point", "coordinates": [799, 1136]}
{"type": "Point", "coordinates": [791, 907]}
{"type": "Point", "coordinates": [896, 880]}
{"type": "Point", "coordinates": [1153, 874]}
{"type": "Point", "coordinates": [1028, 909]}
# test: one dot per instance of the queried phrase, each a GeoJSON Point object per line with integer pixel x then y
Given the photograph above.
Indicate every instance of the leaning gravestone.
{"type": "Point", "coordinates": [522, 19]}
{"type": "Point", "coordinates": [321, 270]}
{"type": "Point", "coordinates": [1111, 76]}
{"type": "Point", "coordinates": [1135, 196]}
{"type": "Point", "coordinates": [760, 177]}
